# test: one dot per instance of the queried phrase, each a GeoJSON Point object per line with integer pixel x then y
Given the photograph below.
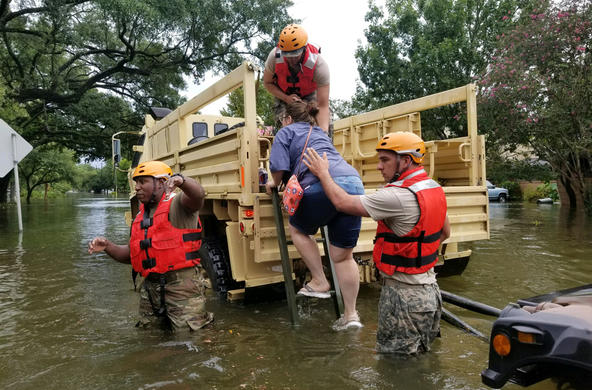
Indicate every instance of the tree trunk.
{"type": "Point", "coordinates": [4, 182]}
{"type": "Point", "coordinates": [571, 193]}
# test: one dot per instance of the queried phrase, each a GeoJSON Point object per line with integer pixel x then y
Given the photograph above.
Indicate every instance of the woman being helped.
{"type": "Point", "coordinates": [316, 209]}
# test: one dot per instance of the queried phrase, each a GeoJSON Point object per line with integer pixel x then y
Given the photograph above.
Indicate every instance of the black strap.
{"type": "Point", "coordinates": [401, 261]}
{"type": "Point", "coordinates": [146, 222]}
{"type": "Point", "coordinates": [149, 263]}
{"type": "Point", "coordinates": [160, 311]}
{"type": "Point", "coordinates": [391, 237]}
{"type": "Point", "coordinates": [192, 255]}
{"type": "Point", "coordinates": [146, 243]}
{"type": "Point", "coordinates": [192, 236]}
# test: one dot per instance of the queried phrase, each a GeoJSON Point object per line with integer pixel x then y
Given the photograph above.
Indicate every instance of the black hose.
{"type": "Point", "coordinates": [454, 320]}
{"type": "Point", "coordinates": [469, 304]}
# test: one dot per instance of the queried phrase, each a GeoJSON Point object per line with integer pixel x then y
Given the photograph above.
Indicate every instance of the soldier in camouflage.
{"type": "Point", "coordinates": [412, 222]}
{"type": "Point", "coordinates": [172, 293]}
{"type": "Point", "coordinates": [184, 300]}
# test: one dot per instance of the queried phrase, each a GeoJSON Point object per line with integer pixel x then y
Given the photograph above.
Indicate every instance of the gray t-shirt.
{"type": "Point", "coordinates": [399, 210]}
{"type": "Point", "coordinates": [321, 73]}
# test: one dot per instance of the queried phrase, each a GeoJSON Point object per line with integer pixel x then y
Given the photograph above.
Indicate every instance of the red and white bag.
{"type": "Point", "coordinates": [293, 192]}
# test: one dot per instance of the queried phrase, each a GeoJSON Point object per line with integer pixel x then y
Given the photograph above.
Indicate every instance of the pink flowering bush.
{"type": "Point", "coordinates": [537, 90]}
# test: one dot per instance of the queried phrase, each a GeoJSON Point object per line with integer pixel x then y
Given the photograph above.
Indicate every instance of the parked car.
{"type": "Point", "coordinates": [497, 193]}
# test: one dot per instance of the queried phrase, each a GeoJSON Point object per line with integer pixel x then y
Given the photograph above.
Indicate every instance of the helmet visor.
{"type": "Point", "coordinates": [293, 53]}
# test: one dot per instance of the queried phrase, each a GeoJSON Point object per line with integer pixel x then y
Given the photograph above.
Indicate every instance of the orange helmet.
{"type": "Point", "coordinates": [403, 142]}
{"type": "Point", "coordinates": [155, 169]}
{"type": "Point", "coordinates": [292, 37]}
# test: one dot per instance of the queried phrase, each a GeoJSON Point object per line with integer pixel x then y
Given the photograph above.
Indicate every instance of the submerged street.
{"type": "Point", "coordinates": [68, 317]}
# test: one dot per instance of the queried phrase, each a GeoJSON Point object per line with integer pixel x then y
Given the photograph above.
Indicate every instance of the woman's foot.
{"type": "Point", "coordinates": [344, 323]}
{"type": "Point", "coordinates": [308, 291]}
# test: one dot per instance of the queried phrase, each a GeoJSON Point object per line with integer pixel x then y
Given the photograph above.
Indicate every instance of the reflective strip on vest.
{"type": "Point", "coordinates": [399, 183]}
{"type": "Point", "coordinates": [423, 185]}
{"type": "Point", "coordinates": [311, 61]}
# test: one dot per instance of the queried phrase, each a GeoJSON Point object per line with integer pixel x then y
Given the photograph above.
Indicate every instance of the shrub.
{"type": "Point", "coordinates": [513, 188]}
{"type": "Point", "coordinates": [546, 190]}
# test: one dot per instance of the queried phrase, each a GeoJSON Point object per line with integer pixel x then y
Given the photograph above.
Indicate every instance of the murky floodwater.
{"type": "Point", "coordinates": [67, 318]}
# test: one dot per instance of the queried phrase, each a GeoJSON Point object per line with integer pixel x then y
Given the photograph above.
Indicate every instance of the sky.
{"type": "Point", "coordinates": [337, 27]}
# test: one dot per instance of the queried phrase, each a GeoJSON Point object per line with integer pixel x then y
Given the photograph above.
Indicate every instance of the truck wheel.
{"type": "Point", "coordinates": [214, 260]}
{"type": "Point", "coordinates": [502, 198]}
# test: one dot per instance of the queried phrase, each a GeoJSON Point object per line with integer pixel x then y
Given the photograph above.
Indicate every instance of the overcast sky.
{"type": "Point", "coordinates": [336, 26]}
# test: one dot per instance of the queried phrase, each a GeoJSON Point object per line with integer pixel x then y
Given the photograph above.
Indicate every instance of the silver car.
{"type": "Point", "coordinates": [497, 193]}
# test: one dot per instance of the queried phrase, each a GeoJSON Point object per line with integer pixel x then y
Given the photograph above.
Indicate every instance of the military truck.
{"type": "Point", "coordinates": [228, 155]}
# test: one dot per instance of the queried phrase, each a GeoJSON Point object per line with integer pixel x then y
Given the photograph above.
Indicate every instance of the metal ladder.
{"type": "Point", "coordinates": [287, 263]}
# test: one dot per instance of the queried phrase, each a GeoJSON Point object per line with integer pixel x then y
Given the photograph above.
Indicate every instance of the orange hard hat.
{"type": "Point", "coordinates": [292, 37]}
{"type": "Point", "coordinates": [403, 142]}
{"type": "Point", "coordinates": [155, 169]}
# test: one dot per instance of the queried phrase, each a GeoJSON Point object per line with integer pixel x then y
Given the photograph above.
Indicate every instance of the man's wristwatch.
{"type": "Point", "coordinates": [181, 176]}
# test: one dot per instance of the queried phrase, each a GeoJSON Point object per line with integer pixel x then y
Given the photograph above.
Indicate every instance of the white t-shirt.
{"type": "Point", "coordinates": [399, 210]}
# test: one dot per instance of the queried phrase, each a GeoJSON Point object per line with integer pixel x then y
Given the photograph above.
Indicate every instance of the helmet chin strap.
{"type": "Point", "coordinates": [397, 173]}
{"type": "Point", "coordinates": [153, 198]}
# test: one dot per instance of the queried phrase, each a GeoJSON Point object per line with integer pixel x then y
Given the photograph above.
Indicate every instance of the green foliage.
{"type": "Point", "coordinates": [265, 101]}
{"type": "Point", "coordinates": [501, 169]}
{"type": "Point", "coordinates": [513, 188]}
{"type": "Point", "coordinates": [343, 108]}
{"type": "Point", "coordinates": [47, 164]}
{"type": "Point", "coordinates": [423, 47]}
{"type": "Point", "coordinates": [86, 126]}
{"type": "Point", "coordinates": [537, 89]}
{"type": "Point", "coordinates": [140, 49]}
{"type": "Point", "coordinates": [546, 190]}
{"type": "Point", "coordinates": [121, 177]}
{"type": "Point", "coordinates": [57, 55]}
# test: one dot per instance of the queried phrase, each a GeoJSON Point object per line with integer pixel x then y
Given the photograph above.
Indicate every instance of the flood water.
{"type": "Point", "coordinates": [67, 318]}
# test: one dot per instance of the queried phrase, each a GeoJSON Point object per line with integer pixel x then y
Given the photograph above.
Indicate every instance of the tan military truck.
{"type": "Point", "coordinates": [228, 155]}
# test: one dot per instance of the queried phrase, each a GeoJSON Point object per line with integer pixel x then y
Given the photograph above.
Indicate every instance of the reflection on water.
{"type": "Point", "coordinates": [67, 317]}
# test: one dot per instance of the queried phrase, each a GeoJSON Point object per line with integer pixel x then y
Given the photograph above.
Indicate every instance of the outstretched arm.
{"type": "Point", "coordinates": [342, 201]}
{"type": "Point", "coordinates": [120, 253]}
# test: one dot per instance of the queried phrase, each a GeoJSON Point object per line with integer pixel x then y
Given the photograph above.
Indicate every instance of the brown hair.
{"type": "Point", "coordinates": [303, 111]}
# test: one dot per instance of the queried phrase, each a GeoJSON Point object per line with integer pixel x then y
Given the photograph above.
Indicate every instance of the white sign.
{"type": "Point", "coordinates": [11, 152]}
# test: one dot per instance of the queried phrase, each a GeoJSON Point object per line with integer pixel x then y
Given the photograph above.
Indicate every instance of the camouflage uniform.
{"type": "Point", "coordinates": [408, 317]}
{"type": "Point", "coordinates": [184, 300]}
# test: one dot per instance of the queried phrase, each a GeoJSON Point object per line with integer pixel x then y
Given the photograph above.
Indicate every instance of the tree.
{"type": "Point", "coordinates": [46, 165]}
{"type": "Point", "coordinates": [537, 90]}
{"type": "Point", "coordinates": [265, 101]}
{"type": "Point", "coordinates": [57, 50]}
{"type": "Point", "coordinates": [66, 61]}
{"type": "Point", "coordinates": [421, 47]}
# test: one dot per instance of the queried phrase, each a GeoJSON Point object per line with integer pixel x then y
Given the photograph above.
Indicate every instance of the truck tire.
{"type": "Point", "coordinates": [502, 198]}
{"type": "Point", "coordinates": [214, 260]}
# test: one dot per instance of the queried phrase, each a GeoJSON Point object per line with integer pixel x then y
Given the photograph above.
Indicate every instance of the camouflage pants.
{"type": "Point", "coordinates": [408, 317]}
{"type": "Point", "coordinates": [184, 300]}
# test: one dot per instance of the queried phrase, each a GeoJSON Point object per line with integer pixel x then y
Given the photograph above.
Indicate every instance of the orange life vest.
{"type": "Point", "coordinates": [156, 246]}
{"type": "Point", "coordinates": [301, 83]}
{"type": "Point", "coordinates": [417, 251]}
